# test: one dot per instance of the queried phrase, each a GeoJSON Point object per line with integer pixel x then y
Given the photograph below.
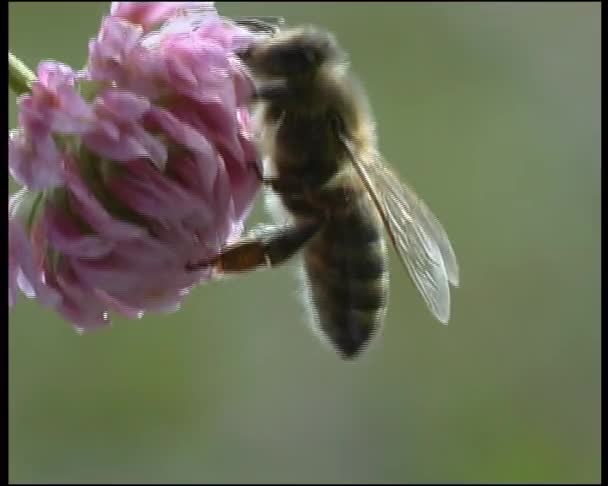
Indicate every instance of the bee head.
{"type": "Point", "coordinates": [292, 53]}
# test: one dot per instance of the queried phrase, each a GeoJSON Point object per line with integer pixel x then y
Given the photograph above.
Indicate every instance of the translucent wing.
{"type": "Point", "coordinates": [418, 237]}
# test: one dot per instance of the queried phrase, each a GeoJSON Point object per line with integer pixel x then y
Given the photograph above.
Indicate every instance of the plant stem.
{"type": "Point", "coordinates": [20, 77]}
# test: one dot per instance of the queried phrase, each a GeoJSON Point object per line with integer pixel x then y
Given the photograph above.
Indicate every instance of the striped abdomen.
{"type": "Point", "coordinates": [347, 277]}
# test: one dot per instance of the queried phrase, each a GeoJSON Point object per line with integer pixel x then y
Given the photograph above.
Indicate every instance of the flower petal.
{"type": "Point", "coordinates": [34, 161]}
{"type": "Point", "coordinates": [148, 192]}
{"type": "Point", "coordinates": [148, 14]}
{"type": "Point", "coordinates": [79, 304]}
{"type": "Point", "coordinates": [55, 102]}
{"type": "Point", "coordinates": [30, 280]}
{"type": "Point", "coordinates": [65, 236]}
{"type": "Point", "coordinates": [93, 212]}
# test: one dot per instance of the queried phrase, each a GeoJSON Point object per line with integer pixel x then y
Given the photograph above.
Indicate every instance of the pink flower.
{"type": "Point", "coordinates": [147, 14]}
{"type": "Point", "coordinates": [133, 167]}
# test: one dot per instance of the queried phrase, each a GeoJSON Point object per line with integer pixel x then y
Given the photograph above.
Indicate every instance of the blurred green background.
{"type": "Point", "coordinates": [492, 111]}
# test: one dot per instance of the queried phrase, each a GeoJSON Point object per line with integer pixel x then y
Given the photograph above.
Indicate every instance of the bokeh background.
{"type": "Point", "coordinates": [492, 111]}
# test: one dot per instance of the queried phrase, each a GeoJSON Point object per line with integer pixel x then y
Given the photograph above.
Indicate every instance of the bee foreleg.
{"type": "Point", "coordinates": [290, 185]}
{"type": "Point", "coordinates": [273, 91]}
{"type": "Point", "coordinates": [284, 185]}
{"type": "Point", "coordinates": [267, 246]}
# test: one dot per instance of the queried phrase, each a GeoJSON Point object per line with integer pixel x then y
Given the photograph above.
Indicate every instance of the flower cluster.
{"type": "Point", "coordinates": [134, 166]}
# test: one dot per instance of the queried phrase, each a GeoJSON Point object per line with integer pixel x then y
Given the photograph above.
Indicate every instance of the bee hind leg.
{"type": "Point", "coordinates": [266, 246]}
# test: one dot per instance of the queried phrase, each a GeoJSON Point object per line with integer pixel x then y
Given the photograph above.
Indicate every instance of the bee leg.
{"type": "Point", "coordinates": [328, 202]}
{"type": "Point", "coordinates": [291, 187]}
{"type": "Point", "coordinates": [267, 246]}
{"type": "Point", "coordinates": [280, 185]}
{"type": "Point", "coordinates": [273, 91]}
{"type": "Point", "coordinates": [257, 169]}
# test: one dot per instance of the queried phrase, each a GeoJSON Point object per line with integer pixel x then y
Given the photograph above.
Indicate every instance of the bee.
{"type": "Point", "coordinates": [333, 193]}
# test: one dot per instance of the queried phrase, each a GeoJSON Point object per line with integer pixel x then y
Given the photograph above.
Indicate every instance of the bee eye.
{"type": "Point", "coordinates": [295, 58]}
{"type": "Point", "coordinates": [244, 54]}
{"type": "Point", "coordinates": [309, 55]}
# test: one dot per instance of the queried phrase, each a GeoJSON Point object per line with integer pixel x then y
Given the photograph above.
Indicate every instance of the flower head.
{"type": "Point", "coordinates": [134, 166]}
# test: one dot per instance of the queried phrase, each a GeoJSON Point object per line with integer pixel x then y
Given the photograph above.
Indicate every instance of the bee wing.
{"type": "Point", "coordinates": [419, 239]}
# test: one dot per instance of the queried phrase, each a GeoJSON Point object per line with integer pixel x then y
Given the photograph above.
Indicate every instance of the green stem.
{"type": "Point", "coordinates": [20, 77]}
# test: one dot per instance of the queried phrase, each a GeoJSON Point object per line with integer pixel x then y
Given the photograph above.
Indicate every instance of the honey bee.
{"type": "Point", "coordinates": [333, 193]}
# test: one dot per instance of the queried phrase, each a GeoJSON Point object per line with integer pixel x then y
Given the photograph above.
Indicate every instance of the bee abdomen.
{"type": "Point", "coordinates": [348, 281]}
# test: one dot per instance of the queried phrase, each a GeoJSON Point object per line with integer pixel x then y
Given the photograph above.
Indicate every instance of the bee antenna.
{"type": "Point", "coordinates": [262, 25]}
